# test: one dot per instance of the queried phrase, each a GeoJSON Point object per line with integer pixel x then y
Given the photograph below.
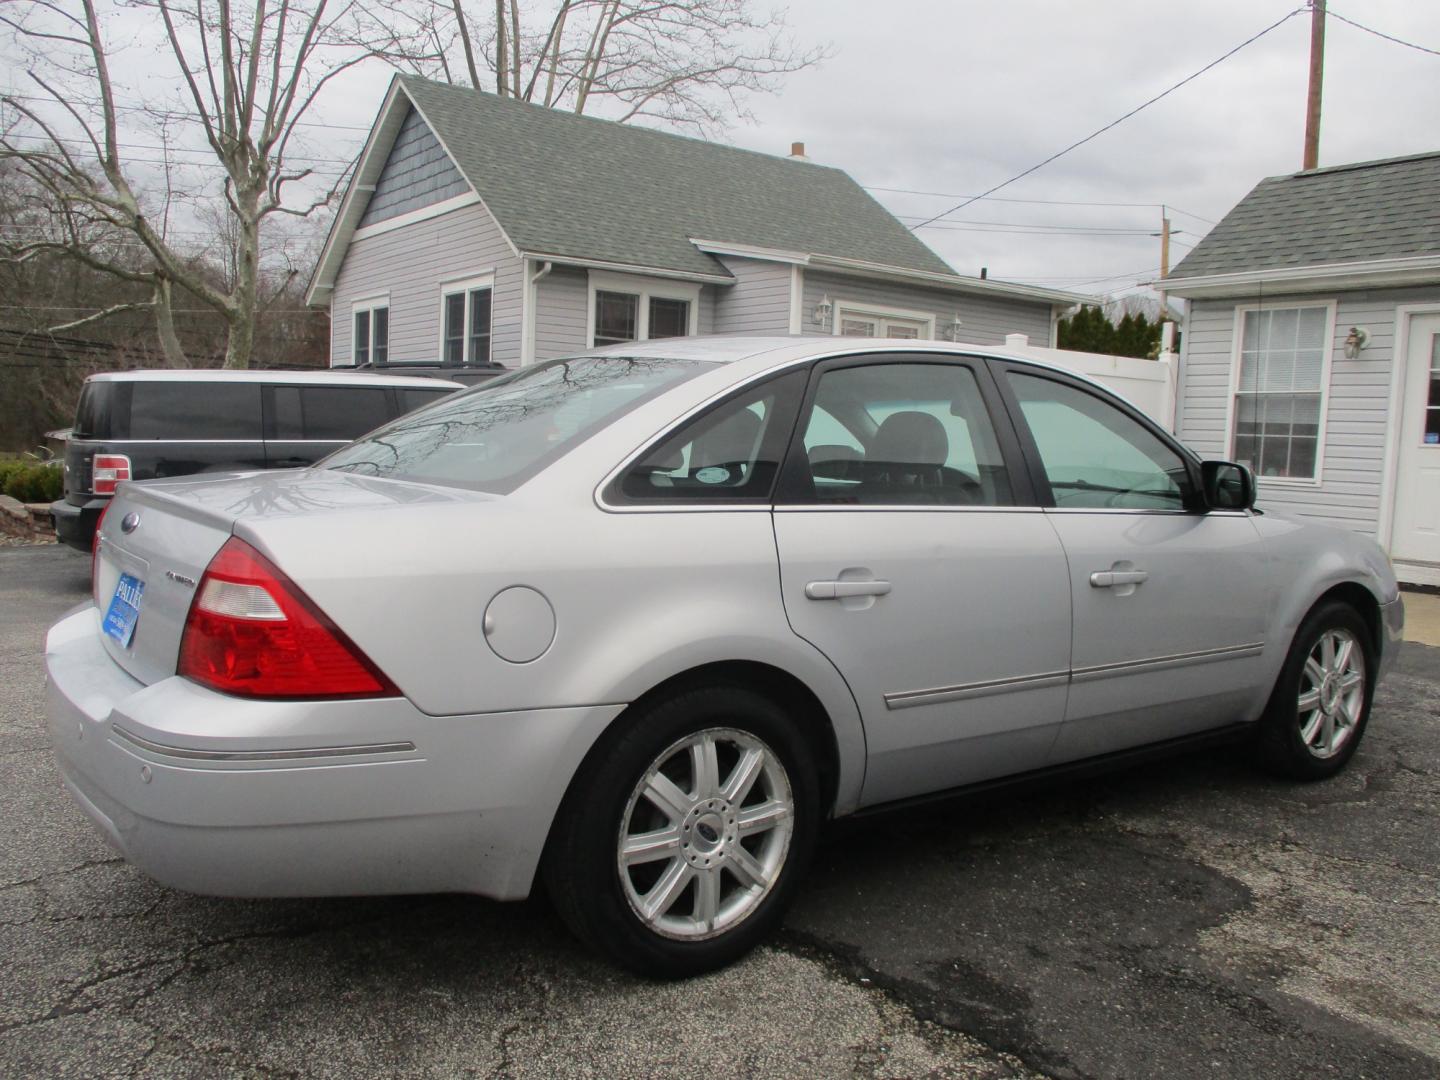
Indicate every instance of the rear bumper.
{"type": "Point", "coordinates": [75, 525]}
{"type": "Point", "coordinates": [219, 795]}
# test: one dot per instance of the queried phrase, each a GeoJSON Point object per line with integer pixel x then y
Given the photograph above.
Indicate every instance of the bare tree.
{"type": "Point", "coordinates": [686, 63]}
{"type": "Point", "coordinates": [248, 75]}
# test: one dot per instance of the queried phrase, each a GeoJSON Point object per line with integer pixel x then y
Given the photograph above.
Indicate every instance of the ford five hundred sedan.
{"type": "Point", "coordinates": [635, 624]}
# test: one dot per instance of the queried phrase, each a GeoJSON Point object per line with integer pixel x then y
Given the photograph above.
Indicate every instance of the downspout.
{"type": "Point", "coordinates": [531, 314]}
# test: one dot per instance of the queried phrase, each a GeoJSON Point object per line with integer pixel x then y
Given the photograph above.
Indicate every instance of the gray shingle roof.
{"type": "Point", "coordinates": [575, 186]}
{"type": "Point", "coordinates": [1350, 213]}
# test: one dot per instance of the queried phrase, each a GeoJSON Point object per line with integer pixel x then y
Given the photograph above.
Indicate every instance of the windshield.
{"type": "Point", "coordinates": [498, 435]}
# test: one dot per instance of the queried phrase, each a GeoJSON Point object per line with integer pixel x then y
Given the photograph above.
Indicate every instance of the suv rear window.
{"type": "Point", "coordinates": [502, 432]}
{"type": "Point", "coordinates": [94, 413]}
{"type": "Point", "coordinates": [194, 410]}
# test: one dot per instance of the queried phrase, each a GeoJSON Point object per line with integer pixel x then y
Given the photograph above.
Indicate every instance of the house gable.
{"type": "Point", "coordinates": [417, 173]}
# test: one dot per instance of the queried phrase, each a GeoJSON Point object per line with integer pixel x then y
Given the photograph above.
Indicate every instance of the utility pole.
{"type": "Point", "coordinates": [1317, 76]}
{"type": "Point", "coordinates": [1164, 263]}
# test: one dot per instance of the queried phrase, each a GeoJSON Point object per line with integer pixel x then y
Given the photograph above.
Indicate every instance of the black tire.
{"type": "Point", "coordinates": [1282, 747]}
{"type": "Point", "coordinates": [581, 868]}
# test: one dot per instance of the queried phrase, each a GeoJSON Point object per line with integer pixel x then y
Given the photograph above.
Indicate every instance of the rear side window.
{"type": "Point", "coordinates": [499, 434]}
{"type": "Point", "coordinates": [194, 410]}
{"type": "Point", "coordinates": [329, 413]}
{"type": "Point", "coordinates": [94, 413]}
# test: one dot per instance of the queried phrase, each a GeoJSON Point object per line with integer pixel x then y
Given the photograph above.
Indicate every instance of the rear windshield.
{"type": "Point", "coordinates": [499, 434]}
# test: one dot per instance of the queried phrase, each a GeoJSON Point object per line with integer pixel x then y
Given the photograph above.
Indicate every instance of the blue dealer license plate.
{"type": "Point", "coordinates": [124, 609]}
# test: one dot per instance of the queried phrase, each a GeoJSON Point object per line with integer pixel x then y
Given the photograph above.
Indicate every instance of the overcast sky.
{"type": "Point", "coordinates": [956, 96]}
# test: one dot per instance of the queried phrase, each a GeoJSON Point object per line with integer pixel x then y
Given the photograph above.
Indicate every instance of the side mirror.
{"type": "Point", "coordinates": [1228, 486]}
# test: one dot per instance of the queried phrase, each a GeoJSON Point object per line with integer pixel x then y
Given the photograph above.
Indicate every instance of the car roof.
{"type": "Point", "coordinates": [288, 378]}
{"type": "Point", "coordinates": [754, 355]}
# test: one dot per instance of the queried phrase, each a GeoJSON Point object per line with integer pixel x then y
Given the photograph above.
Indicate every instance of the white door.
{"type": "Point", "coordinates": [1417, 487]}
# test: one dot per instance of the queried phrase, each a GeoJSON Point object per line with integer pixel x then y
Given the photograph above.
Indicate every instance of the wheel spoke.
{"type": "Point", "coordinates": [1327, 732]}
{"type": "Point", "coordinates": [1351, 680]}
{"type": "Point", "coordinates": [1308, 700]}
{"type": "Point", "coordinates": [661, 898]}
{"type": "Point", "coordinates": [650, 846]}
{"type": "Point", "coordinates": [746, 868]}
{"type": "Point", "coordinates": [1314, 672]}
{"type": "Point", "coordinates": [1310, 727]}
{"type": "Point", "coordinates": [1342, 655]}
{"type": "Point", "coordinates": [1350, 711]}
{"type": "Point", "coordinates": [667, 797]}
{"type": "Point", "coordinates": [743, 776]}
{"type": "Point", "coordinates": [1327, 652]}
{"type": "Point", "coordinates": [705, 765]}
{"type": "Point", "coordinates": [762, 817]}
{"type": "Point", "coordinates": [707, 896]}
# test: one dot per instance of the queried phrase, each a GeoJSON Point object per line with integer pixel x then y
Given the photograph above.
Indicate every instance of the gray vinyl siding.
{"type": "Point", "coordinates": [984, 320]}
{"type": "Point", "coordinates": [562, 305]}
{"type": "Point", "coordinates": [410, 264]}
{"type": "Point", "coordinates": [417, 173]}
{"type": "Point", "coordinates": [1356, 403]}
{"type": "Point", "coordinates": [758, 302]}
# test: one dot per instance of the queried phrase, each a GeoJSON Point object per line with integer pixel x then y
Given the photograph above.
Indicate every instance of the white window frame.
{"type": "Point", "coordinates": [645, 288]}
{"type": "Point", "coordinates": [871, 311]}
{"type": "Point", "coordinates": [467, 285]}
{"type": "Point", "coordinates": [1237, 346]}
{"type": "Point", "coordinates": [369, 306]}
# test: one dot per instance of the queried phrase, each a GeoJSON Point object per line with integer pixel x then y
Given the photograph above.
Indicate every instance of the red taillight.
{"type": "Point", "coordinates": [95, 550]}
{"type": "Point", "coordinates": [252, 632]}
{"type": "Point", "coordinates": [107, 470]}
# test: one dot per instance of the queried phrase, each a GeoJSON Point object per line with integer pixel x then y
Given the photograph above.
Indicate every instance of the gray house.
{"type": "Point", "coordinates": [1312, 349]}
{"type": "Point", "coordinates": [480, 229]}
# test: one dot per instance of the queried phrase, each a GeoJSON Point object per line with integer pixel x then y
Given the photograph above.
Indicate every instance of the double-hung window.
{"type": "Point", "coordinates": [626, 308]}
{"type": "Point", "coordinates": [1280, 391]}
{"type": "Point", "coordinates": [466, 310]}
{"type": "Point", "coordinates": [370, 341]}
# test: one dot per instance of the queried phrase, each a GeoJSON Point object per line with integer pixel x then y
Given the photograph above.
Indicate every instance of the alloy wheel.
{"type": "Point", "coordinates": [1332, 693]}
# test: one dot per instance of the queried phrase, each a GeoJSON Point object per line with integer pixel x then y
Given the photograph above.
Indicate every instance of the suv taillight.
{"type": "Point", "coordinates": [107, 471]}
{"type": "Point", "coordinates": [252, 632]}
{"type": "Point", "coordinates": [95, 551]}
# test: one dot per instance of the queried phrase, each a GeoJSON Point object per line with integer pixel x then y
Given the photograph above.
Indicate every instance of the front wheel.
{"type": "Point", "coordinates": [678, 847]}
{"type": "Point", "coordinates": [1321, 703]}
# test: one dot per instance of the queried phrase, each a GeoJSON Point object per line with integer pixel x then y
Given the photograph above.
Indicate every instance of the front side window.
{"type": "Point", "coordinates": [497, 435]}
{"type": "Point", "coordinates": [467, 311]}
{"type": "Point", "coordinates": [370, 343]}
{"type": "Point", "coordinates": [1280, 393]}
{"type": "Point", "coordinates": [1095, 455]}
{"type": "Point", "coordinates": [901, 434]}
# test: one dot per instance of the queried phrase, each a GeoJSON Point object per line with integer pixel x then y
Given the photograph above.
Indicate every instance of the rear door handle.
{"type": "Point", "coordinates": [838, 590]}
{"type": "Point", "coordinates": [1105, 579]}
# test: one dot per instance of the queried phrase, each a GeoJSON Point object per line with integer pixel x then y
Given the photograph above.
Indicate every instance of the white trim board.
{"type": "Point", "coordinates": [424, 213]}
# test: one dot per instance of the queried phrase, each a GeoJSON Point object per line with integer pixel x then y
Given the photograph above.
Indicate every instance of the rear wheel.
{"type": "Point", "coordinates": [1321, 703]}
{"type": "Point", "coordinates": [679, 845]}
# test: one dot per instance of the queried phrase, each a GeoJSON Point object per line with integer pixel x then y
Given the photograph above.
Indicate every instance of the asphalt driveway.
{"type": "Point", "coordinates": [1188, 919]}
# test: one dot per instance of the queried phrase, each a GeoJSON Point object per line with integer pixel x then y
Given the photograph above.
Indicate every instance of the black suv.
{"type": "Point", "coordinates": [135, 425]}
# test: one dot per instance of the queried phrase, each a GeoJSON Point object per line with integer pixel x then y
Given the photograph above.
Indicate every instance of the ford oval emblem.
{"type": "Point", "coordinates": [130, 522]}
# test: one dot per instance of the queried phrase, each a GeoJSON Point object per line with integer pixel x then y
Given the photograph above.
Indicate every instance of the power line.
{"type": "Point", "coordinates": [172, 114]}
{"type": "Point", "coordinates": [175, 150]}
{"type": "Point", "coordinates": [1122, 229]}
{"type": "Point", "coordinates": [1115, 123]}
{"type": "Point", "coordinates": [1380, 34]}
{"type": "Point", "coordinates": [1040, 202]}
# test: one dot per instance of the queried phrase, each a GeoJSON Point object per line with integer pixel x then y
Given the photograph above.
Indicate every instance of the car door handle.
{"type": "Point", "coordinates": [1105, 579]}
{"type": "Point", "coordinates": [838, 590]}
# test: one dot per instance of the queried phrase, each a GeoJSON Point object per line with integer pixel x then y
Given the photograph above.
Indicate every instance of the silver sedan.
{"type": "Point", "coordinates": [639, 622]}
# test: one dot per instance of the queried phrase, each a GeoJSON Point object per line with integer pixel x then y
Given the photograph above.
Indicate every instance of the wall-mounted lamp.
{"type": "Point", "coordinates": [1357, 339]}
{"type": "Point", "coordinates": [822, 311]}
{"type": "Point", "coordinates": [953, 330]}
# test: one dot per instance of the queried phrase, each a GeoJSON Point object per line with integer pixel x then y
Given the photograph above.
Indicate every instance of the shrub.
{"type": "Point", "coordinates": [31, 483]}
{"type": "Point", "coordinates": [9, 467]}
